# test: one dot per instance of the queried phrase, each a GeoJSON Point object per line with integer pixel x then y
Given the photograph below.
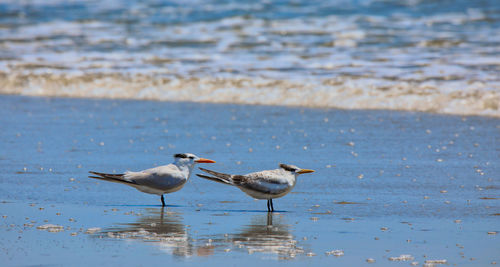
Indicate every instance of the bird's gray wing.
{"type": "Point", "coordinates": [162, 177]}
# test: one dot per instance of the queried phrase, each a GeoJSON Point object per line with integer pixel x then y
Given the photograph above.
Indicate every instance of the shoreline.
{"type": "Point", "coordinates": [488, 114]}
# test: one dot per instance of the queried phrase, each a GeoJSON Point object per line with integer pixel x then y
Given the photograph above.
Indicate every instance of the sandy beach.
{"type": "Point", "coordinates": [390, 187]}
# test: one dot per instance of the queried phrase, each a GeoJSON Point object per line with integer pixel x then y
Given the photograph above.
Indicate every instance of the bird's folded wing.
{"type": "Point", "coordinates": [140, 178]}
{"type": "Point", "coordinates": [259, 177]}
{"type": "Point", "coordinates": [160, 180]}
{"type": "Point", "coordinates": [170, 168]}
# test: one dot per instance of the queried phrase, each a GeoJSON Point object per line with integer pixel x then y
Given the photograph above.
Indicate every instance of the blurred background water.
{"type": "Point", "coordinates": [437, 56]}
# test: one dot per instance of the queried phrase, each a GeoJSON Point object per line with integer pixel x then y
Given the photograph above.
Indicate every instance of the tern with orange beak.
{"type": "Point", "coordinates": [268, 184]}
{"type": "Point", "coordinates": [160, 180]}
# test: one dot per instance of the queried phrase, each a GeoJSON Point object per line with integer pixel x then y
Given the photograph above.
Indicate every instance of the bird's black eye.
{"type": "Point", "coordinates": [191, 157]}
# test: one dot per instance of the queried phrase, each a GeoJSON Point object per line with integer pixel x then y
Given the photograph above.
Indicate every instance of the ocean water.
{"type": "Point", "coordinates": [419, 55]}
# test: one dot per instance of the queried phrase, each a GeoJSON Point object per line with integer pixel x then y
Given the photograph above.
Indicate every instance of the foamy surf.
{"type": "Point", "coordinates": [447, 97]}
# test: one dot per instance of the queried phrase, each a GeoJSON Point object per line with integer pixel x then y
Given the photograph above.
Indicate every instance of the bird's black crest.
{"type": "Point", "coordinates": [181, 155]}
{"type": "Point", "coordinates": [287, 167]}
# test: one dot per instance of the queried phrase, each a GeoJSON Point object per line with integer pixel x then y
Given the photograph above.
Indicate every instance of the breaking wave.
{"type": "Point", "coordinates": [341, 92]}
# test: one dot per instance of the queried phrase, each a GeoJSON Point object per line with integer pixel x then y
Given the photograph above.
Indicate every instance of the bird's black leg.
{"type": "Point", "coordinates": [271, 200]}
{"type": "Point", "coordinates": [268, 208]}
{"type": "Point", "coordinates": [162, 201]}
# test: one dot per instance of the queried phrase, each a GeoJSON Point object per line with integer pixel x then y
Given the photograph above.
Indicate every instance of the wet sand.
{"type": "Point", "coordinates": [390, 188]}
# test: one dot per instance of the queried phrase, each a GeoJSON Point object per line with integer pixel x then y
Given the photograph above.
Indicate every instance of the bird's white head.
{"type": "Point", "coordinates": [188, 159]}
{"type": "Point", "coordinates": [294, 169]}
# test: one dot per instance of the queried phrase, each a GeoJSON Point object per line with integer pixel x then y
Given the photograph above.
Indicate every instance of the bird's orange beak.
{"type": "Point", "coordinates": [305, 171]}
{"type": "Point", "coordinates": [202, 160]}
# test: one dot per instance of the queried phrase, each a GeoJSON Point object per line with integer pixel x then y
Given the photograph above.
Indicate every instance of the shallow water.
{"type": "Point", "coordinates": [436, 56]}
{"type": "Point", "coordinates": [386, 184]}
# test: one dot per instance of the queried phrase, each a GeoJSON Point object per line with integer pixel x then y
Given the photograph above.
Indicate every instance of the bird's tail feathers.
{"type": "Point", "coordinates": [220, 175]}
{"type": "Point", "coordinates": [215, 179]}
{"type": "Point", "coordinates": [107, 175]}
{"type": "Point", "coordinates": [117, 178]}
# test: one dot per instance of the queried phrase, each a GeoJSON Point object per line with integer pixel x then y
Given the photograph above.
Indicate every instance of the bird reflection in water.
{"type": "Point", "coordinates": [264, 236]}
{"type": "Point", "coordinates": [164, 228]}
